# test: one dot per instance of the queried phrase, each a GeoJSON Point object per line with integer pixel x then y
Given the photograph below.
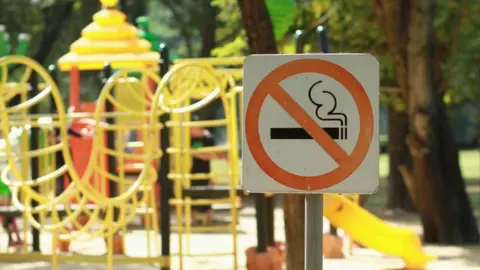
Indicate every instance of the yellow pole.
{"type": "Point", "coordinates": [234, 173]}
{"type": "Point", "coordinates": [110, 233]}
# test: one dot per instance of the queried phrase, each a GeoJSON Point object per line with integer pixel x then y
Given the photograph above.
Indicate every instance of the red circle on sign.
{"type": "Point", "coordinates": [270, 86]}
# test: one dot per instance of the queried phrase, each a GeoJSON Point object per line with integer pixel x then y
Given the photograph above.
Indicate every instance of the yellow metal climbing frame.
{"type": "Point", "coordinates": [203, 83]}
{"type": "Point", "coordinates": [36, 198]}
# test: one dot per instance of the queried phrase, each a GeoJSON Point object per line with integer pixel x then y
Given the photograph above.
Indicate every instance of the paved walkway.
{"type": "Point", "coordinates": [450, 257]}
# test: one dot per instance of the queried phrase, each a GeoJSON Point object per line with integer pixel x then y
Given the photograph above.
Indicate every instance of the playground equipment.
{"type": "Point", "coordinates": [145, 33]}
{"type": "Point", "coordinates": [85, 191]}
{"type": "Point", "coordinates": [32, 192]}
{"type": "Point", "coordinates": [43, 207]}
{"type": "Point", "coordinates": [368, 230]}
{"type": "Point", "coordinates": [110, 39]}
{"type": "Point", "coordinates": [200, 81]}
{"type": "Point", "coordinates": [8, 214]}
{"type": "Point", "coordinates": [6, 47]}
{"type": "Point", "coordinates": [122, 106]}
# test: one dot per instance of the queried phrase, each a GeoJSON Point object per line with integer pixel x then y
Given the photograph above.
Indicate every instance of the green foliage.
{"type": "Point", "coordinates": [282, 14]}
{"type": "Point", "coordinates": [19, 17]}
{"type": "Point", "coordinates": [354, 28]}
{"type": "Point", "coordinates": [230, 36]}
{"type": "Point", "coordinates": [233, 48]}
{"type": "Point", "coordinates": [319, 7]}
{"type": "Point", "coordinates": [463, 67]}
{"type": "Point", "coordinates": [351, 26]}
{"type": "Point", "coordinates": [457, 27]}
{"type": "Point", "coordinates": [161, 24]}
{"type": "Point", "coordinates": [398, 104]}
{"type": "Point", "coordinates": [180, 23]}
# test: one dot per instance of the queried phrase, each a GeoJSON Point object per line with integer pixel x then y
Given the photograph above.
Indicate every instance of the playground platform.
{"type": "Point", "coordinates": [449, 257]}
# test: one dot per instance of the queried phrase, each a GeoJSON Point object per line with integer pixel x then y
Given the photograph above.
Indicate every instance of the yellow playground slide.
{"type": "Point", "coordinates": [371, 232]}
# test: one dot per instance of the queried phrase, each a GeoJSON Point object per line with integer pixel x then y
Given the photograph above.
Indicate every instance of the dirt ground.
{"type": "Point", "coordinates": [451, 258]}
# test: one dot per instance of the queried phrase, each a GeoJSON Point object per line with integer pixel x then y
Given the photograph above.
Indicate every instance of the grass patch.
{"type": "Point", "coordinates": [469, 164]}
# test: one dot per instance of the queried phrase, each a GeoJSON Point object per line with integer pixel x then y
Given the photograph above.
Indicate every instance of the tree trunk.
{"type": "Point", "coordinates": [188, 41]}
{"type": "Point", "coordinates": [434, 180]}
{"type": "Point", "coordinates": [258, 26]}
{"type": "Point", "coordinates": [261, 40]}
{"type": "Point", "coordinates": [55, 16]}
{"type": "Point", "coordinates": [208, 30]}
{"type": "Point", "coordinates": [133, 9]}
{"type": "Point", "coordinates": [397, 193]}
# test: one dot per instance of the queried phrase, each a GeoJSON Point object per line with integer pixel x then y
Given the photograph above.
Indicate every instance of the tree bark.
{"type": "Point", "coordinates": [258, 26]}
{"type": "Point", "coordinates": [55, 16]}
{"type": "Point", "coordinates": [261, 40]}
{"type": "Point", "coordinates": [434, 179]}
{"type": "Point", "coordinates": [397, 192]}
{"type": "Point", "coordinates": [208, 30]}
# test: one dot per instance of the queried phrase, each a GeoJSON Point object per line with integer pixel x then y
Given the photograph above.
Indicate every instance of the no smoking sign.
{"type": "Point", "coordinates": [311, 123]}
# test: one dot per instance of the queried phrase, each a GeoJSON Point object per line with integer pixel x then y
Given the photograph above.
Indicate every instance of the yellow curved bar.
{"type": "Point", "coordinates": [51, 91]}
{"type": "Point", "coordinates": [27, 184]}
{"type": "Point", "coordinates": [150, 143]}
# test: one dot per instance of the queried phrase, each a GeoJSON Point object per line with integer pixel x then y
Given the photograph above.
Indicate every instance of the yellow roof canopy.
{"type": "Point", "coordinates": [109, 38]}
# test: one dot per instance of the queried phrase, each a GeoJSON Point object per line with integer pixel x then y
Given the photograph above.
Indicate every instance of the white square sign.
{"type": "Point", "coordinates": [311, 123]}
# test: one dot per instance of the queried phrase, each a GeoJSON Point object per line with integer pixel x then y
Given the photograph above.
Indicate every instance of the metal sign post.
{"type": "Point", "coordinates": [313, 231]}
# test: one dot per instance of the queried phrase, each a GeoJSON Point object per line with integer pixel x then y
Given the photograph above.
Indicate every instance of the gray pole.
{"type": "Point", "coordinates": [313, 232]}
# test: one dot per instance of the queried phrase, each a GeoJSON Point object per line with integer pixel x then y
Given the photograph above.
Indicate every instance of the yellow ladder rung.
{"type": "Point", "coordinates": [136, 144]}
